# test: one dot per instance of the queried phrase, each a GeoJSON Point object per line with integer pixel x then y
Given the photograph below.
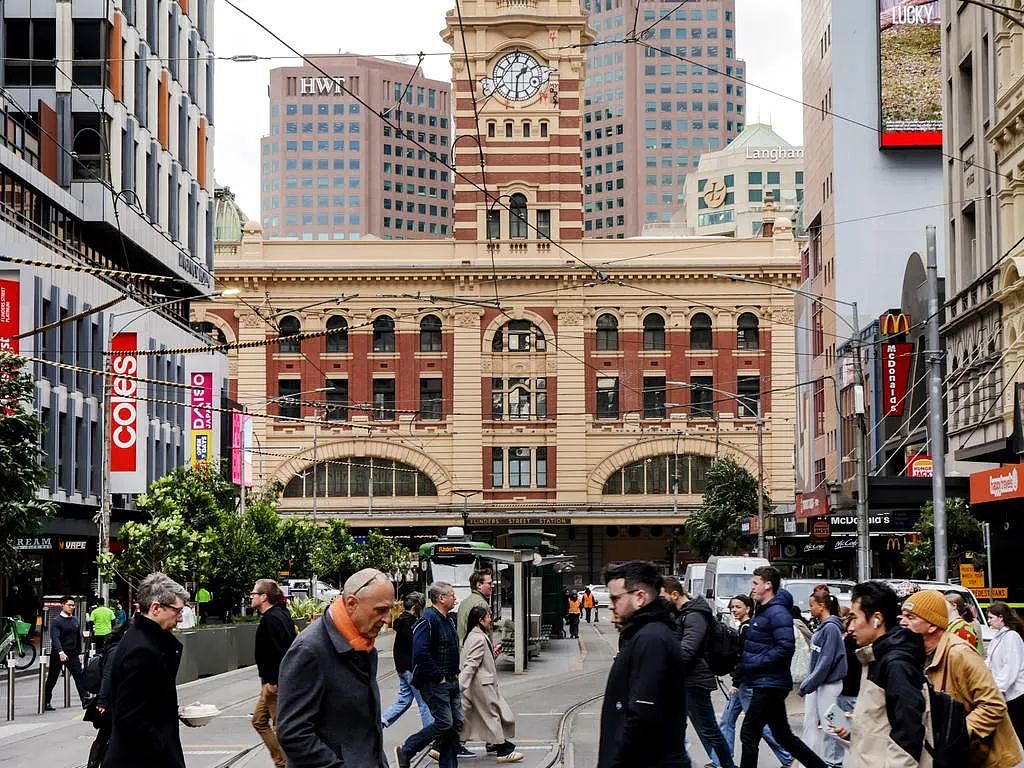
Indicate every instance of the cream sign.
{"type": "Point", "coordinates": [999, 485]}
{"type": "Point", "coordinates": [321, 86]}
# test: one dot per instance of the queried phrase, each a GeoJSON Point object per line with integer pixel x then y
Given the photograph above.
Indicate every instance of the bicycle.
{"type": "Point", "coordinates": [13, 641]}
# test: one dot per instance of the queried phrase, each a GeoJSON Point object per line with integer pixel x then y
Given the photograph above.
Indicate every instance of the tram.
{"type": "Point", "coordinates": [453, 558]}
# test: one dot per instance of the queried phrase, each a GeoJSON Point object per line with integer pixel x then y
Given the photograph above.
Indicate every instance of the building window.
{"type": "Point", "coordinates": [748, 390]}
{"type": "Point", "coordinates": [519, 398]}
{"type": "Point", "coordinates": [700, 331]}
{"type": "Point", "coordinates": [430, 334]}
{"type": "Point", "coordinates": [91, 63]}
{"type": "Point", "coordinates": [519, 336]}
{"type": "Point", "coordinates": [490, 129]}
{"type": "Point", "coordinates": [608, 397]}
{"type": "Point", "coordinates": [654, 332]}
{"type": "Point", "coordinates": [666, 474]}
{"type": "Point", "coordinates": [493, 225]}
{"type": "Point", "coordinates": [519, 468]}
{"type": "Point", "coordinates": [607, 333]}
{"type": "Point", "coordinates": [517, 226]}
{"type": "Point", "coordinates": [340, 478]}
{"type": "Point", "coordinates": [337, 336]}
{"type": "Point", "coordinates": [497, 468]}
{"type": "Point", "coordinates": [30, 48]}
{"type": "Point", "coordinates": [654, 397]}
{"type": "Point", "coordinates": [430, 399]}
{"type": "Point", "coordinates": [542, 467]}
{"type": "Point", "coordinates": [543, 129]}
{"type": "Point", "coordinates": [544, 223]}
{"type": "Point", "coordinates": [508, 129]}
{"type": "Point", "coordinates": [384, 399]}
{"type": "Point", "coordinates": [289, 326]}
{"type": "Point", "coordinates": [288, 404]}
{"type": "Point", "coordinates": [526, 129]}
{"type": "Point", "coordinates": [337, 399]}
{"type": "Point", "coordinates": [701, 397]}
{"type": "Point", "coordinates": [747, 332]}
{"type": "Point", "coordinates": [383, 334]}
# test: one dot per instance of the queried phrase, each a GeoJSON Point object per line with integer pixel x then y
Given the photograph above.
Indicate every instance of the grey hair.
{"type": "Point", "coordinates": [160, 588]}
{"type": "Point", "coordinates": [438, 589]}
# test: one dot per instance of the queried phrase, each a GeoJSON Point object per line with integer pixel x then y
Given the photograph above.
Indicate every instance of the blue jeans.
{"type": "Point", "coordinates": [407, 693]}
{"type": "Point", "coordinates": [702, 716]}
{"type": "Point", "coordinates": [739, 703]}
{"type": "Point", "coordinates": [445, 702]}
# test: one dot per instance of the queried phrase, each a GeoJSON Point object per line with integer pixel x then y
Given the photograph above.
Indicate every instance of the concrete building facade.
{"type": "Point", "coordinates": [333, 169]}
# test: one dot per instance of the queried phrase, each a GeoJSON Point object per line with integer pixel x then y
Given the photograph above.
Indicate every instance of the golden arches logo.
{"type": "Point", "coordinates": [892, 324]}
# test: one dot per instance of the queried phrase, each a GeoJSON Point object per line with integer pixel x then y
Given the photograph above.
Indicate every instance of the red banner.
{"type": "Point", "coordinates": [811, 504]}
{"type": "Point", "coordinates": [895, 371]}
{"type": "Point", "coordinates": [999, 484]}
{"type": "Point", "coordinates": [9, 308]}
{"type": "Point", "coordinates": [124, 408]}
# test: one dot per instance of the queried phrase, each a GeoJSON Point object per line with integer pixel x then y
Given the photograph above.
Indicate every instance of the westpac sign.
{"type": "Point", "coordinates": [321, 86]}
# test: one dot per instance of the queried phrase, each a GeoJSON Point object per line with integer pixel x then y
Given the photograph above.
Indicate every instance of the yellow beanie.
{"type": "Point", "coordinates": [930, 605]}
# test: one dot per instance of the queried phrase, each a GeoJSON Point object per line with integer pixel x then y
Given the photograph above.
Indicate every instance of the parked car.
{"type": "Point", "coordinates": [987, 633]}
{"type": "Point", "coordinates": [801, 590]}
{"type": "Point", "coordinates": [300, 588]}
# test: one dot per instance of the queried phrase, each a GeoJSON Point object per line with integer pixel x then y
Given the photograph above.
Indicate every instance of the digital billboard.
{"type": "Point", "coordinates": [910, 73]}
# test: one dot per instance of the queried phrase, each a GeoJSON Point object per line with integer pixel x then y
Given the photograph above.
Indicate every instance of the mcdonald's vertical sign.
{"type": "Point", "coordinates": [895, 372]}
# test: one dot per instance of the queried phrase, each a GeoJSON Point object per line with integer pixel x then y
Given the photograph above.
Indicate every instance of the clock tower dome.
{"type": "Point", "coordinates": [517, 90]}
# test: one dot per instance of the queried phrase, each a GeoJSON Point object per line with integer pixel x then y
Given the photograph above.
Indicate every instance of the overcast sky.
{"type": "Point", "coordinates": [768, 37]}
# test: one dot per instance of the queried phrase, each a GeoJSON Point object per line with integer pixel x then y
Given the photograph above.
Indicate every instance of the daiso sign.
{"type": "Point", "coordinates": [124, 407]}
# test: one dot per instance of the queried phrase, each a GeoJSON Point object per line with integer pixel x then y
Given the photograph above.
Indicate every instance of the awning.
{"type": "Point", "coordinates": [999, 484]}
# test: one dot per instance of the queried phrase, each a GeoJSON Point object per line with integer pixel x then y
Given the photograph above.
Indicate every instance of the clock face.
{"type": "Point", "coordinates": [518, 76]}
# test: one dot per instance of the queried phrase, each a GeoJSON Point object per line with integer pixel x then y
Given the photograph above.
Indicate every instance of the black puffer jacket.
{"type": "Point", "coordinates": [693, 622]}
{"type": "Point", "coordinates": [644, 710]}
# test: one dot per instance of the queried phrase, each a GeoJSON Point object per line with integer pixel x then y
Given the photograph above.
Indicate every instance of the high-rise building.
{"type": "Point", "coordinates": [105, 158]}
{"type": "Point", "coordinates": [332, 169]}
{"type": "Point", "coordinates": [652, 108]}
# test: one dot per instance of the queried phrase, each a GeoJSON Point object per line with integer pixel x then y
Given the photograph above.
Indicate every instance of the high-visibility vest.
{"type": "Point", "coordinates": [574, 606]}
{"type": "Point", "coordinates": [588, 601]}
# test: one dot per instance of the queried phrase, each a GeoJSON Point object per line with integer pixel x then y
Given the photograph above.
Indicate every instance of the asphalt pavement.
{"type": "Point", "coordinates": [566, 673]}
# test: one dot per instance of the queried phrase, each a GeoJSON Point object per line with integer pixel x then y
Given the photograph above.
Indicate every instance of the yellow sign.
{"type": "Point", "coordinates": [997, 593]}
{"type": "Point", "coordinates": [973, 581]}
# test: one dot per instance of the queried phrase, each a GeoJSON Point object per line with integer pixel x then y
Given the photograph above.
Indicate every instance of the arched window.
{"type": "Point", "coordinates": [700, 331]}
{"type": "Point", "coordinates": [342, 478]}
{"type": "Point", "coordinates": [682, 473]}
{"type": "Point", "coordinates": [607, 333]}
{"type": "Point", "coordinates": [519, 336]}
{"type": "Point", "coordinates": [212, 331]}
{"type": "Point", "coordinates": [337, 337]}
{"type": "Point", "coordinates": [517, 227]}
{"type": "Point", "coordinates": [289, 326]}
{"type": "Point", "coordinates": [430, 334]}
{"type": "Point", "coordinates": [654, 332]}
{"type": "Point", "coordinates": [383, 334]}
{"type": "Point", "coordinates": [747, 332]}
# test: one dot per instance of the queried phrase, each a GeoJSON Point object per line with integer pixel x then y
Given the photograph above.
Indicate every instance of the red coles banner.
{"type": "Point", "coordinates": [124, 408]}
{"type": "Point", "coordinates": [895, 371]}
{"type": "Point", "coordinates": [9, 316]}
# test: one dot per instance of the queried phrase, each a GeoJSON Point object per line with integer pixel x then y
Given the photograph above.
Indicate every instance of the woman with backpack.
{"type": "Point", "coordinates": [1006, 660]}
{"type": "Point", "coordinates": [824, 681]}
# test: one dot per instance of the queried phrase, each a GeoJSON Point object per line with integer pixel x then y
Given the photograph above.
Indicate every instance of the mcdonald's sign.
{"type": "Point", "coordinates": [894, 323]}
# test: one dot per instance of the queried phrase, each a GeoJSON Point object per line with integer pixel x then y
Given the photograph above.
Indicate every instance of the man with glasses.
{"type": "Point", "coordinates": [144, 700]}
{"type": "Point", "coordinates": [435, 658]}
{"type": "Point", "coordinates": [274, 636]}
{"type": "Point", "coordinates": [65, 647]}
{"type": "Point", "coordinates": [328, 701]}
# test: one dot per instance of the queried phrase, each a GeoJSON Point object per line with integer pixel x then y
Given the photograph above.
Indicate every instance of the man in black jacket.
{"type": "Point", "coordinates": [273, 637]}
{"type": "Point", "coordinates": [693, 626]}
{"type": "Point", "coordinates": [65, 647]}
{"type": "Point", "coordinates": [644, 710]}
{"type": "Point", "coordinates": [144, 700]}
{"type": "Point", "coordinates": [402, 649]}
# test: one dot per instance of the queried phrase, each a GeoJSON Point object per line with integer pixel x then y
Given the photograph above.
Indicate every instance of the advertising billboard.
{"type": "Point", "coordinates": [127, 450]}
{"type": "Point", "coordinates": [241, 449]}
{"type": "Point", "coordinates": [201, 417]}
{"type": "Point", "coordinates": [9, 309]}
{"type": "Point", "coordinates": [910, 74]}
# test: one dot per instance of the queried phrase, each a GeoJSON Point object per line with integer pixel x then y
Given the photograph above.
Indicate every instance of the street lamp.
{"type": "Point", "coordinates": [105, 494]}
{"type": "Point", "coordinates": [465, 494]}
{"type": "Point", "coordinates": [759, 421]}
{"type": "Point", "coordinates": [863, 533]}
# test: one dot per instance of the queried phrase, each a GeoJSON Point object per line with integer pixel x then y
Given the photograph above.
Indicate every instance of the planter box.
{"type": "Point", "coordinates": [245, 643]}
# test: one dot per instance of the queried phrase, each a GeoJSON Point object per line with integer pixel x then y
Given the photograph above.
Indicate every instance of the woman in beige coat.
{"type": "Point", "coordinates": [487, 716]}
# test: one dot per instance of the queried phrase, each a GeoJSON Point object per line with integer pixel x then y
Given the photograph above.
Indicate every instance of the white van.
{"type": "Point", "coordinates": [693, 580]}
{"type": "Point", "coordinates": [727, 576]}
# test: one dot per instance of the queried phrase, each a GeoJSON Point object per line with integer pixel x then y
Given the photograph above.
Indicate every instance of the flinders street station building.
{"type": "Point", "coordinates": [516, 375]}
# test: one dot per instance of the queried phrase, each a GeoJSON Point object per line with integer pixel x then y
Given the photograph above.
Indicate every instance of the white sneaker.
{"type": "Point", "coordinates": [511, 757]}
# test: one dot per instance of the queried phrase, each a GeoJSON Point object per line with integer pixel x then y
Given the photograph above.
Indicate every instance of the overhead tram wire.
{"type": "Point", "coordinates": [645, 32]}
{"type": "Point", "coordinates": [430, 153]}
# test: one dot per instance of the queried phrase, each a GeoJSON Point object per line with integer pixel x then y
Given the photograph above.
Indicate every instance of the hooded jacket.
{"type": "Point", "coordinates": [693, 621]}
{"type": "Point", "coordinates": [769, 644]}
{"type": "Point", "coordinates": [828, 656]}
{"type": "Point", "coordinates": [888, 727]}
{"type": "Point", "coordinates": [644, 708]}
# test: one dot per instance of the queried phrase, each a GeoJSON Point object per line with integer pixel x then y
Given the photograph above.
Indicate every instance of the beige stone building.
{"type": "Point", "coordinates": [517, 374]}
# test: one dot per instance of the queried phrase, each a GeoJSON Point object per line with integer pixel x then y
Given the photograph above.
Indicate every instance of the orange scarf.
{"type": "Point", "coordinates": [343, 622]}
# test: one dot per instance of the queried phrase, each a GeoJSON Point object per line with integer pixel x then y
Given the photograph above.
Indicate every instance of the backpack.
{"type": "Point", "coordinates": [722, 648]}
{"type": "Point", "coordinates": [950, 741]}
{"type": "Point", "coordinates": [94, 673]}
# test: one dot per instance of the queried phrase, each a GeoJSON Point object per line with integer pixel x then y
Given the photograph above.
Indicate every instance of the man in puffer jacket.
{"type": "Point", "coordinates": [767, 653]}
{"type": "Point", "coordinates": [824, 681]}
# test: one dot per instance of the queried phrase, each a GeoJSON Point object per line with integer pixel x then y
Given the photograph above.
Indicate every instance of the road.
{"type": "Point", "coordinates": [567, 672]}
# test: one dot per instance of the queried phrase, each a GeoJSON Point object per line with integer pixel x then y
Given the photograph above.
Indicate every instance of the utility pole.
{"type": "Point", "coordinates": [760, 480]}
{"type": "Point", "coordinates": [936, 425]}
{"type": "Point", "coordinates": [104, 515]}
{"type": "Point", "coordinates": [863, 533]}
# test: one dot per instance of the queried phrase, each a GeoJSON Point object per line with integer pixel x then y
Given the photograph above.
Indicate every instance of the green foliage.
{"type": "Point", "coordinates": [963, 534]}
{"type": "Point", "coordinates": [297, 540]}
{"type": "Point", "coordinates": [381, 552]}
{"type": "Point", "coordinates": [332, 555]}
{"type": "Point", "coordinates": [21, 461]}
{"type": "Point", "coordinates": [243, 547]}
{"type": "Point", "coordinates": [306, 607]}
{"type": "Point", "coordinates": [730, 497]}
{"type": "Point", "coordinates": [198, 494]}
{"type": "Point", "coordinates": [164, 543]}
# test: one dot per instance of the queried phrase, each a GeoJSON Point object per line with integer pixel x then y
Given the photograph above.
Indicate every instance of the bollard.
{"type": "Point", "coordinates": [67, 687]}
{"type": "Point", "coordinates": [42, 685]}
{"type": "Point", "coordinates": [10, 686]}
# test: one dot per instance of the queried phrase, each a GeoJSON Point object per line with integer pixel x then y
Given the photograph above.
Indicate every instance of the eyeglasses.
{"type": "Point", "coordinates": [615, 598]}
{"type": "Point", "coordinates": [174, 608]}
{"type": "Point", "coordinates": [256, 594]}
{"type": "Point", "coordinates": [366, 583]}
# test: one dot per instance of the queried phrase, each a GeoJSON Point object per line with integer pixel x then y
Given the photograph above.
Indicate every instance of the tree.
{"type": "Point", "coordinates": [298, 538]}
{"type": "Point", "coordinates": [963, 534]}
{"type": "Point", "coordinates": [243, 547]}
{"type": "Point", "coordinates": [730, 497]}
{"type": "Point", "coordinates": [380, 552]}
{"type": "Point", "coordinates": [166, 543]}
{"type": "Point", "coordinates": [332, 556]}
{"type": "Point", "coordinates": [22, 472]}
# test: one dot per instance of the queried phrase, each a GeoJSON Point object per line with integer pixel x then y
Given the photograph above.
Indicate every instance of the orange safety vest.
{"type": "Point", "coordinates": [588, 601]}
{"type": "Point", "coordinates": [574, 606]}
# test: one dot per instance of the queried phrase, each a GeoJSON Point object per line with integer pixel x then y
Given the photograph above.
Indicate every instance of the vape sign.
{"type": "Point", "coordinates": [124, 407]}
{"type": "Point", "coordinates": [201, 416]}
{"type": "Point", "coordinates": [895, 371]}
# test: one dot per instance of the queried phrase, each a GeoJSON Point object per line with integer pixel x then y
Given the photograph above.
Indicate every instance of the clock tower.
{"type": "Point", "coordinates": [517, 90]}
